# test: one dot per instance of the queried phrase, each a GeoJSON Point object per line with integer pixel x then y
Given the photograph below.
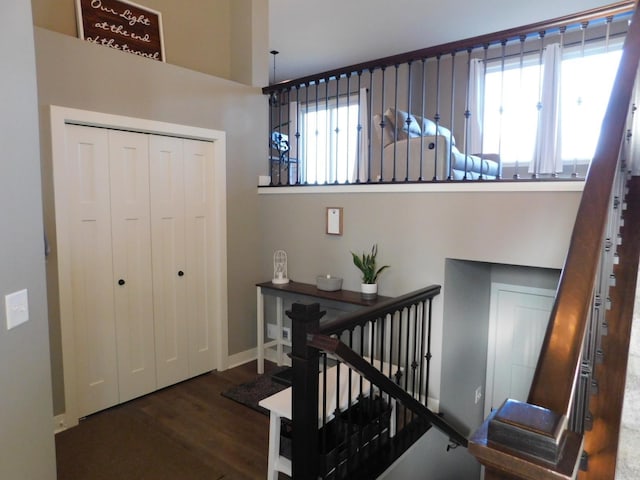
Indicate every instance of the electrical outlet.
{"type": "Point", "coordinates": [286, 334]}
{"type": "Point", "coordinates": [272, 331]}
{"type": "Point", "coordinates": [478, 394]}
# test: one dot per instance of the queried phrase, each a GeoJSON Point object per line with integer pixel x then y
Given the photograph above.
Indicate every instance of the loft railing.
{"type": "Point", "coordinates": [372, 371]}
{"type": "Point", "coordinates": [572, 416]}
{"type": "Point", "coordinates": [431, 114]}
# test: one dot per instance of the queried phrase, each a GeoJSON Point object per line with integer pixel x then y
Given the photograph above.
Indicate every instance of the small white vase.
{"type": "Point", "coordinates": [369, 290]}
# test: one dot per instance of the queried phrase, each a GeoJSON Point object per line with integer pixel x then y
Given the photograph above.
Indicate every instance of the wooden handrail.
{"type": "Point", "coordinates": [362, 316]}
{"type": "Point", "coordinates": [377, 378]}
{"type": "Point", "coordinates": [460, 45]}
{"type": "Point", "coordinates": [552, 384]}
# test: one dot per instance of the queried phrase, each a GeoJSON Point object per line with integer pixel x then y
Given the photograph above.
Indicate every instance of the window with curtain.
{"type": "Point", "coordinates": [512, 121]}
{"type": "Point", "coordinates": [332, 135]}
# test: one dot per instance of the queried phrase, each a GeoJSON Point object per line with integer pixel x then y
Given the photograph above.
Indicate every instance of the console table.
{"type": "Point", "coordinates": [297, 291]}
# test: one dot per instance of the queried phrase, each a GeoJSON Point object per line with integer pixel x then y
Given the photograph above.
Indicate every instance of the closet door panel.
{"type": "Point", "coordinates": [91, 268]}
{"type": "Point", "coordinates": [198, 172]}
{"type": "Point", "coordinates": [169, 263]}
{"type": "Point", "coordinates": [131, 225]}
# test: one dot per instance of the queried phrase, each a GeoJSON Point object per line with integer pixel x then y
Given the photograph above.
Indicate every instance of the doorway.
{"type": "Point", "coordinates": [518, 317]}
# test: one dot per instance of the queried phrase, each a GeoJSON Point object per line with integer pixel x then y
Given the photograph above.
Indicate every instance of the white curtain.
{"type": "Point", "coordinates": [360, 167]}
{"type": "Point", "coordinates": [547, 157]}
{"type": "Point", "coordinates": [476, 105]}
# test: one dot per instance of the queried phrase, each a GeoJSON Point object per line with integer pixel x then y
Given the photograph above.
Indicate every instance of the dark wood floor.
{"type": "Point", "coordinates": [187, 431]}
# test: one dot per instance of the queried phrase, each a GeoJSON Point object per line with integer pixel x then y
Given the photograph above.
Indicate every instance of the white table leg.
{"type": "Point", "coordinates": [260, 329]}
{"type": "Point", "coordinates": [274, 445]}
{"type": "Point", "coordinates": [392, 426]}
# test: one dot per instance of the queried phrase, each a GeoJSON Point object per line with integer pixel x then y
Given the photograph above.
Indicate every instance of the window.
{"type": "Point", "coordinates": [331, 139]}
{"type": "Point", "coordinates": [586, 87]}
{"type": "Point", "coordinates": [512, 95]}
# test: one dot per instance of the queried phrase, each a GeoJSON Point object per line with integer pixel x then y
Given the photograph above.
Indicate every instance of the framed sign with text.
{"type": "Point", "coordinates": [121, 25]}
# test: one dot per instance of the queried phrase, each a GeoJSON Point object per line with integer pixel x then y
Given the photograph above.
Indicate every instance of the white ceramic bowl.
{"type": "Point", "coordinates": [328, 283]}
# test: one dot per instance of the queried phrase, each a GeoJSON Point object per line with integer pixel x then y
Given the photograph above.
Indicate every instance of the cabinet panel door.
{"type": "Point", "coordinates": [130, 217]}
{"type": "Point", "coordinates": [199, 181]}
{"type": "Point", "coordinates": [168, 254]}
{"type": "Point", "coordinates": [91, 268]}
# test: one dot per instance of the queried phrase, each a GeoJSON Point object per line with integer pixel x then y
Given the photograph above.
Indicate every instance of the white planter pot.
{"type": "Point", "coordinates": [369, 290]}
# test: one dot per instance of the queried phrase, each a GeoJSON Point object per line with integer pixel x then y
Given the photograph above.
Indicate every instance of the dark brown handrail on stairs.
{"type": "Point", "coordinates": [364, 368]}
{"type": "Point", "coordinates": [553, 385]}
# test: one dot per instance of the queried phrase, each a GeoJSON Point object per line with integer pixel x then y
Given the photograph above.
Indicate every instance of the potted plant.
{"type": "Point", "coordinates": [366, 263]}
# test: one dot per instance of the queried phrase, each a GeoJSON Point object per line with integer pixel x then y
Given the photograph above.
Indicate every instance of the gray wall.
{"type": "Point", "coordinates": [464, 355]}
{"type": "Point", "coordinates": [73, 73]}
{"type": "Point", "coordinates": [415, 233]}
{"type": "Point", "coordinates": [215, 37]}
{"type": "Point", "coordinates": [464, 345]}
{"type": "Point", "coordinates": [26, 428]}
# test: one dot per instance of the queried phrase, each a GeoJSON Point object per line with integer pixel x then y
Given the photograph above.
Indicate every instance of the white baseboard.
{"type": "Point", "coordinates": [59, 423]}
{"type": "Point", "coordinates": [272, 355]}
{"type": "Point", "coordinates": [241, 358]}
{"type": "Point", "coordinates": [246, 356]}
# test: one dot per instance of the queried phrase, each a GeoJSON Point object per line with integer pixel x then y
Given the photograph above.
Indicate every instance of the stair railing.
{"type": "Point", "coordinates": [412, 117]}
{"type": "Point", "coordinates": [536, 439]}
{"type": "Point", "coordinates": [376, 361]}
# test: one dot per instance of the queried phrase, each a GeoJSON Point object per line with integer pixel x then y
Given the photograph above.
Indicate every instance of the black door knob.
{"type": "Point", "coordinates": [180, 273]}
{"type": "Point", "coordinates": [121, 282]}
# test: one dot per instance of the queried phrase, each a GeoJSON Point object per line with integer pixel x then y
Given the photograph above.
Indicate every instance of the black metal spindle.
{"type": "Point", "coordinates": [327, 129]}
{"type": "Point", "coordinates": [501, 107]}
{"type": "Point", "coordinates": [467, 116]}
{"type": "Point", "coordinates": [436, 118]}
{"type": "Point", "coordinates": [421, 354]}
{"type": "Point", "coordinates": [409, 92]}
{"type": "Point", "coordinates": [324, 402]}
{"type": "Point", "coordinates": [522, 40]}
{"type": "Point", "coordinates": [283, 99]}
{"type": "Point", "coordinates": [350, 402]}
{"type": "Point", "coordinates": [562, 29]}
{"type": "Point", "coordinates": [452, 116]}
{"type": "Point", "coordinates": [407, 365]}
{"type": "Point", "coordinates": [346, 160]}
{"type": "Point", "coordinates": [383, 124]}
{"type": "Point", "coordinates": [337, 130]}
{"type": "Point", "coordinates": [428, 355]}
{"type": "Point", "coordinates": [382, 344]}
{"type": "Point", "coordinates": [369, 125]}
{"type": "Point", "coordinates": [583, 28]}
{"type": "Point", "coordinates": [482, 114]}
{"type": "Point", "coordinates": [539, 105]}
{"type": "Point", "coordinates": [395, 124]}
{"type": "Point", "coordinates": [302, 160]}
{"type": "Point", "coordinates": [296, 178]}
{"type": "Point", "coordinates": [414, 363]}
{"type": "Point", "coordinates": [316, 133]}
{"type": "Point", "coordinates": [272, 101]}
{"type": "Point", "coordinates": [359, 150]}
{"type": "Point", "coordinates": [422, 114]}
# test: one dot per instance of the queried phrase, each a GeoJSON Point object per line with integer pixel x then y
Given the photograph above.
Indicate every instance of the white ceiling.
{"type": "Point", "coordinates": [316, 36]}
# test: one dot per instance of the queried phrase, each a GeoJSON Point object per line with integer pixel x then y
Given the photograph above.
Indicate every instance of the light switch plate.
{"type": "Point", "coordinates": [17, 308]}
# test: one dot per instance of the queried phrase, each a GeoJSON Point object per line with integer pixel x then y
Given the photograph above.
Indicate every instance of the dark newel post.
{"type": "Point", "coordinates": [305, 319]}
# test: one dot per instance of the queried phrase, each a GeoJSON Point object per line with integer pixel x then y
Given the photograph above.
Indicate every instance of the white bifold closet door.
{"type": "Point", "coordinates": [111, 275]}
{"type": "Point", "coordinates": [182, 186]}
